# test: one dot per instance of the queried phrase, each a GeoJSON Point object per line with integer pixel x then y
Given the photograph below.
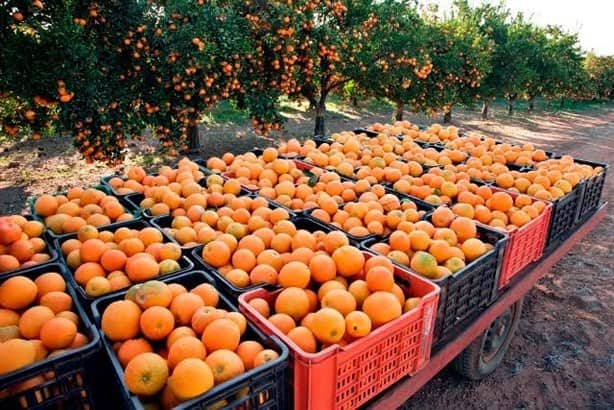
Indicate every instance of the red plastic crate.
{"type": "Point", "coordinates": [525, 244]}
{"type": "Point", "coordinates": [344, 377]}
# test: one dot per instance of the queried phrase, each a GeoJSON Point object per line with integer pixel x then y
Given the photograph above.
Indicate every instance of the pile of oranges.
{"type": "Point", "coordinates": [175, 344]}
{"type": "Point", "coordinates": [337, 299]}
{"type": "Point", "coordinates": [21, 244]}
{"type": "Point", "coordinates": [239, 217]}
{"type": "Point", "coordinates": [375, 212]}
{"type": "Point", "coordinates": [265, 256]}
{"type": "Point", "coordinates": [37, 321]}
{"type": "Point", "coordinates": [104, 261]}
{"type": "Point", "coordinates": [67, 213]}
{"type": "Point", "coordinates": [137, 180]}
{"type": "Point", "coordinates": [435, 249]}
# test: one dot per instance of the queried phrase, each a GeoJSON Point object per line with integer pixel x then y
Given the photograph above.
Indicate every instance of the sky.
{"type": "Point", "coordinates": [591, 19]}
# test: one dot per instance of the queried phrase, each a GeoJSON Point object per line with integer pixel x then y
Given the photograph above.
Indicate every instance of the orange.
{"type": "Point", "coordinates": [131, 348]}
{"type": "Point", "coordinates": [140, 268]}
{"type": "Point", "coordinates": [304, 338]}
{"type": "Point", "coordinates": [184, 348]}
{"type": "Point", "coordinates": [243, 259]}
{"type": "Point", "coordinates": [381, 307]}
{"type": "Point", "coordinates": [225, 365]}
{"type": "Point", "coordinates": [49, 282]}
{"type": "Point", "coordinates": [248, 351]}
{"type": "Point", "coordinates": [203, 316]}
{"type": "Point", "coordinates": [113, 259]}
{"type": "Point", "coordinates": [283, 322]}
{"type": "Point", "coordinates": [328, 325]}
{"type": "Point", "coordinates": [216, 253]}
{"type": "Point", "coordinates": [442, 216]}
{"type": "Point", "coordinates": [424, 263]}
{"type": "Point", "coordinates": [178, 333]}
{"type": "Point", "coordinates": [33, 319]}
{"type": "Point", "coordinates": [349, 260]}
{"type": "Point", "coordinates": [263, 274]}
{"type": "Point", "coordinates": [146, 374]}
{"type": "Point", "coordinates": [156, 322]}
{"type": "Point", "coordinates": [378, 260]}
{"type": "Point", "coordinates": [91, 250]}
{"type": "Point", "coordinates": [221, 334]}
{"type": "Point", "coordinates": [323, 268]}
{"type": "Point", "coordinates": [208, 294]}
{"type": "Point", "coordinates": [262, 306]}
{"type": "Point", "coordinates": [379, 278]}
{"type": "Point", "coordinates": [464, 228]}
{"type": "Point", "coordinates": [359, 290]}
{"type": "Point", "coordinates": [334, 240]}
{"type": "Point", "coordinates": [340, 300]}
{"type": "Point", "coordinates": [473, 248]}
{"type": "Point", "coordinates": [22, 250]}
{"type": "Point", "coordinates": [8, 317]}
{"type": "Point", "coordinates": [191, 378]}
{"type": "Point", "coordinates": [8, 263]}
{"type": "Point", "coordinates": [184, 305]}
{"type": "Point", "coordinates": [501, 201]}
{"type": "Point", "coordinates": [120, 320]}
{"type": "Point", "coordinates": [46, 205]}
{"type": "Point", "coordinates": [17, 292]}
{"type": "Point", "coordinates": [294, 274]}
{"type": "Point", "coordinates": [419, 240]}
{"type": "Point", "coordinates": [150, 293]}
{"type": "Point", "coordinates": [357, 324]}
{"type": "Point", "coordinates": [16, 353]}
{"type": "Point", "coordinates": [292, 301]}
{"type": "Point", "coordinates": [58, 333]}
{"type": "Point", "coordinates": [57, 301]}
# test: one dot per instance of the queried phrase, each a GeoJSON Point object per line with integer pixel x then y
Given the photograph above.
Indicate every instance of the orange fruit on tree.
{"type": "Point", "coordinates": [17, 292]}
{"type": "Point", "coordinates": [292, 301]}
{"type": "Point", "coordinates": [131, 348]}
{"type": "Point", "coordinates": [185, 347]}
{"type": "Point", "coordinates": [357, 324]}
{"type": "Point", "coordinates": [58, 333]}
{"type": "Point", "coordinates": [349, 260]}
{"type": "Point", "coordinates": [146, 374]}
{"type": "Point", "coordinates": [225, 365]}
{"type": "Point", "coordinates": [191, 378]}
{"type": "Point", "coordinates": [120, 320]}
{"type": "Point", "coordinates": [304, 338]}
{"type": "Point", "coordinates": [328, 325]}
{"type": "Point", "coordinates": [381, 307]}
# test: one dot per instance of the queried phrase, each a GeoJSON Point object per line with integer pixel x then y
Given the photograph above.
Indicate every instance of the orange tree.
{"type": "Point", "coordinates": [322, 43]}
{"type": "Point", "coordinates": [460, 57]}
{"type": "Point", "coordinates": [600, 71]}
{"type": "Point", "coordinates": [396, 59]}
{"type": "Point", "coordinates": [107, 70]}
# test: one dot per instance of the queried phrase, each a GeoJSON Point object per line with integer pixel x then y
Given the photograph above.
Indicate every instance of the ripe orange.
{"type": "Point", "coordinates": [57, 333]}
{"type": "Point", "coordinates": [184, 348]}
{"type": "Point", "coordinates": [328, 325]}
{"type": "Point", "coordinates": [292, 301]}
{"type": "Point", "coordinates": [49, 282]}
{"type": "Point", "coordinates": [16, 353]}
{"type": "Point", "coordinates": [32, 320]}
{"type": "Point", "coordinates": [222, 333]}
{"type": "Point", "coordinates": [157, 322]}
{"type": "Point", "coordinates": [131, 348]}
{"type": "Point", "coordinates": [304, 338]}
{"type": "Point", "coordinates": [17, 292]}
{"type": "Point", "coordinates": [357, 324]}
{"type": "Point", "coordinates": [184, 306]}
{"type": "Point", "coordinates": [381, 307]}
{"type": "Point", "coordinates": [379, 278]}
{"type": "Point", "coordinates": [191, 378]}
{"type": "Point", "coordinates": [146, 374]}
{"type": "Point", "coordinates": [120, 320]}
{"type": "Point", "coordinates": [349, 260]}
{"type": "Point", "coordinates": [248, 351]}
{"type": "Point", "coordinates": [225, 365]}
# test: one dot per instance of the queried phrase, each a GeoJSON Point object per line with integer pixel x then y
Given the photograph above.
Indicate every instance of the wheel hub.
{"type": "Point", "coordinates": [495, 336]}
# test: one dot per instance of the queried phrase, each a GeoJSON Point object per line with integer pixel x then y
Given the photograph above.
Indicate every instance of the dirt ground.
{"type": "Point", "coordinates": [563, 354]}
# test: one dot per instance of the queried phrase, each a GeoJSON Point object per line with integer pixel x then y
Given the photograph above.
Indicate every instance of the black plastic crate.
{"type": "Point", "coordinates": [593, 188]}
{"type": "Point", "coordinates": [68, 377]}
{"type": "Point", "coordinates": [469, 291]}
{"type": "Point", "coordinates": [184, 262]}
{"type": "Point", "coordinates": [565, 215]}
{"type": "Point", "coordinates": [232, 291]}
{"type": "Point", "coordinates": [128, 206]}
{"type": "Point", "coordinates": [266, 386]}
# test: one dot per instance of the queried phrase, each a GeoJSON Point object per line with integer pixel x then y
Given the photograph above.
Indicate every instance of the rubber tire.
{"type": "Point", "coordinates": [469, 363]}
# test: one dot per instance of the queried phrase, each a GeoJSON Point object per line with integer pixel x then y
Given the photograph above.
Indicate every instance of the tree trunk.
{"type": "Point", "coordinates": [398, 115]}
{"type": "Point", "coordinates": [193, 136]}
{"type": "Point", "coordinates": [562, 103]}
{"type": "Point", "coordinates": [531, 103]}
{"type": "Point", "coordinates": [447, 116]}
{"type": "Point", "coordinates": [485, 105]}
{"type": "Point", "coordinates": [354, 101]}
{"type": "Point", "coordinates": [510, 104]}
{"type": "Point", "coordinates": [320, 112]}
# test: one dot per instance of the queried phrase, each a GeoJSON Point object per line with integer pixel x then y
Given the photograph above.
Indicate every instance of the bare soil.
{"type": "Point", "coordinates": [562, 356]}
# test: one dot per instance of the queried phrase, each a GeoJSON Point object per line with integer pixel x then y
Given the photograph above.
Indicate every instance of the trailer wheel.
{"type": "Point", "coordinates": [485, 353]}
